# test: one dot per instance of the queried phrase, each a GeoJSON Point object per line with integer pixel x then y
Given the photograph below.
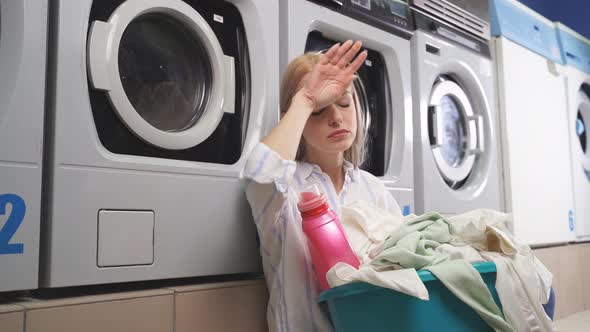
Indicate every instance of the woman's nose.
{"type": "Point", "coordinates": [335, 116]}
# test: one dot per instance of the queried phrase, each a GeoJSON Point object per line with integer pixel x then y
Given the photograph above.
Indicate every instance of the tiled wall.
{"type": "Point", "coordinates": [570, 266]}
{"type": "Point", "coordinates": [232, 306]}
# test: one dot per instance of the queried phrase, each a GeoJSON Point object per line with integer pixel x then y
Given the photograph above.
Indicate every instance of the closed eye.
{"type": "Point", "coordinates": [344, 101]}
{"type": "Point", "coordinates": [318, 112]}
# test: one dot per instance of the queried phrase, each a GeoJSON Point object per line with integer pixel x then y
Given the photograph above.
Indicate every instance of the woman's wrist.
{"type": "Point", "coordinates": [303, 102]}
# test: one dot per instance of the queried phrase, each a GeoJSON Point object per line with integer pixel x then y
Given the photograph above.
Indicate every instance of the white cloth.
{"type": "Point", "coordinates": [519, 288]}
{"type": "Point", "coordinates": [406, 281]}
{"type": "Point", "coordinates": [367, 226]}
{"type": "Point", "coordinates": [483, 230]}
{"type": "Point", "coordinates": [272, 186]}
{"type": "Point", "coordinates": [523, 283]}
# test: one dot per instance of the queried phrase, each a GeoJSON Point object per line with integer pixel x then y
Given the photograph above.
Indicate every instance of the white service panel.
{"type": "Point", "coordinates": [125, 238]}
{"type": "Point", "coordinates": [535, 145]}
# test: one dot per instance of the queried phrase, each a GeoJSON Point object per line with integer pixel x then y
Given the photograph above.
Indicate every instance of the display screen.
{"type": "Point", "coordinates": [363, 3]}
{"type": "Point", "coordinates": [398, 8]}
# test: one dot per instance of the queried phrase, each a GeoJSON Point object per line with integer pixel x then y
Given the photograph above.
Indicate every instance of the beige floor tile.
{"type": "Point", "coordinates": [549, 257]}
{"type": "Point", "coordinates": [234, 308]}
{"type": "Point", "coordinates": [216, 285]}
{"type": "Point", "coordinates": [7, 308]}
{"type": "Point", "coordinates": [569, 293]}
{"type": "Point", "coordinates": [580, 316]}
{"type": "Point", "coordinates": [12, 321]}
{"type": "Point", "coordinates": [572, 326]}
{"type": "Point", "coordinates": [579, 322]}
{"type": "Point", "coordinates": [585, 265]}
{"type": "Point", "coordinates": [91, 314]}
{"type": "Point", "coordinates": [34, 303]}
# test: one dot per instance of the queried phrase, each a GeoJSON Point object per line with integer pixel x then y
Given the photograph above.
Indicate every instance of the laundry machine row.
{"type": "Point", "coordinates": [153, 106]}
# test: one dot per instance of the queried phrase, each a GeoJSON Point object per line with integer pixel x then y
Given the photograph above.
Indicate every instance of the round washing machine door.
{"type": "Point", "coordinates": [581, 127]}
{"type": "Point", "coordinates": [163, 70]}
{"type": "Point", "coordinates": [455, 132]}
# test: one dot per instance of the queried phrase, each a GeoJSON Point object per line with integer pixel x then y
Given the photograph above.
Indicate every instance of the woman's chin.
{"type": "Point", "coordinates": [337, 146]}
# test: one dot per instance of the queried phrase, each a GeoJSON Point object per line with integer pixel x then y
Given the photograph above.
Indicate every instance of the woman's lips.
{"type": "Point", "coordinates": [339, 133]}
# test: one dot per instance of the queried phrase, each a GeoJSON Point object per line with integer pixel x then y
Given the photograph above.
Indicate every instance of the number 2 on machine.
{"type": "Point", "coordinates": [17, 214]}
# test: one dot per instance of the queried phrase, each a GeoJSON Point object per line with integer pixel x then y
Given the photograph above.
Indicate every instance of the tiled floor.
{"type": "Point", "coordinates": [579, 322]}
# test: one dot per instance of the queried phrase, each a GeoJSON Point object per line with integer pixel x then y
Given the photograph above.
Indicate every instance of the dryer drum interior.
{"type": "Point", "coordinates": [583, 117]}
{"type": "Point", "coordinates": [166, 72]}
{"type": "Point", "coordinates": [372, 89]}
{"type": "Point", "coordinates": [581, 131]}
{"type": "Point", "coordinates": [581, 127]}
{"type": "Point", "coordinates": [172, 95]}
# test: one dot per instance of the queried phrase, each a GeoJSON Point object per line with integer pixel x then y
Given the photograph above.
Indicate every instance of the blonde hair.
{"type": "Point", "coordinates": [291, 83]}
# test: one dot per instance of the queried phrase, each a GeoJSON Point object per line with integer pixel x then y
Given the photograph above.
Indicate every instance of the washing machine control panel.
{"type": "Point", "coordinates": [390, 15]}
{"type": "Point", "coordinates": [426, 23]}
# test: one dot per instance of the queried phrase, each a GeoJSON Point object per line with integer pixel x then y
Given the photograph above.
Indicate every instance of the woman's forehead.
{"type": "Point", "coordinates": [349, 90]}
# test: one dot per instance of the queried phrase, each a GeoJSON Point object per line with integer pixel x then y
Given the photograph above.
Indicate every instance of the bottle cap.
{"type": "Point", "coordinates": [310, 198]}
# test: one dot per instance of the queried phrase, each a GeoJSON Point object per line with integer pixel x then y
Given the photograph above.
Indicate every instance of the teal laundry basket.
{"type": "Point", "coordinates": [363, 307]}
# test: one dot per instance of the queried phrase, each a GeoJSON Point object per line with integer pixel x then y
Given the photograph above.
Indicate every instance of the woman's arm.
{"type": "Point", "coordinates": [285, 136]}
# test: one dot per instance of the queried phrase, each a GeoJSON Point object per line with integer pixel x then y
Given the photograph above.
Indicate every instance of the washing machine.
{"type": "Point", "coordinates": [455, 117]}
{"type": "Point", "coordinates": [533, 124]}
{"type": "Point", "coordinates": [23, 40]}
{"type": "Point", "coordinates": [575, 50]}
{"type": "Point", "coordinates": [385, 28]}
{"type": "Point", "coordinates": [154, 107]}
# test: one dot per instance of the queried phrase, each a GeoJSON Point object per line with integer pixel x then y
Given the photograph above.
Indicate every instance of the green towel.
{"type": "Point", "coordinates": [413, 245]}
{"type": "Point", "coordinates": [463, 280]}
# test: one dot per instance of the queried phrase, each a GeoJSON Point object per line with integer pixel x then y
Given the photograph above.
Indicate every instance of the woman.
{"type": "Point", "coordinates": [319, 140]}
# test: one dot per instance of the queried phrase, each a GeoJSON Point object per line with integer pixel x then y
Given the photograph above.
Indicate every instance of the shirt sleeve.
{"type": "Point", "coordinates": [266, 166]}
{"type": "Point", "coordinates": [268, 178]}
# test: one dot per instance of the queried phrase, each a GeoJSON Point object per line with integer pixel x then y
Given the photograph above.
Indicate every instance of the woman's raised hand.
{"type": "Point", "coordinates": [332, 75]}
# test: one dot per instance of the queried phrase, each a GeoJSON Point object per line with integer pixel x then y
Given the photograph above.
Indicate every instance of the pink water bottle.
{"type": "Point", "coordinates": [326, 238]}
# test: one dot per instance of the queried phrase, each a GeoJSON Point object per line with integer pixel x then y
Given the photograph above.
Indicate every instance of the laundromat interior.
{"type": "Point", "coordinates": [144, 184]}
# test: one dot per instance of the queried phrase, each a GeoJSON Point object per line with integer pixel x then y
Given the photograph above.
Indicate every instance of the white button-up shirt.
{"type": "Point", "coordinates": [272, 189]}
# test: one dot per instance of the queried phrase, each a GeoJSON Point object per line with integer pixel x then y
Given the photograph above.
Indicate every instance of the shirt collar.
{"type": "Point", "coordinates": [350, 171]}
{"type": "Point", "coordinates": [305, 170]}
